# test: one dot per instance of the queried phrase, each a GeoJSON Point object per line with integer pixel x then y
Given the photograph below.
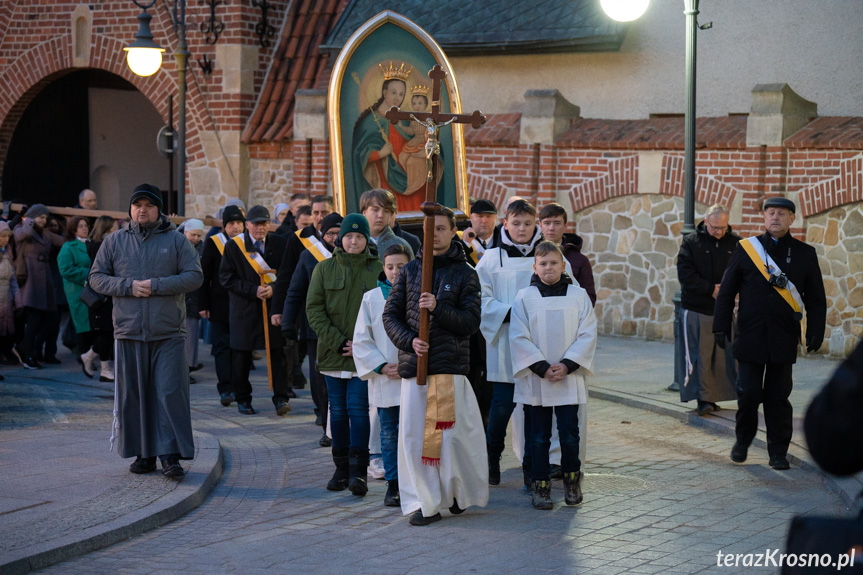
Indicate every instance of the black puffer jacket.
{"type": "Point", "coordinates": [455, 318]}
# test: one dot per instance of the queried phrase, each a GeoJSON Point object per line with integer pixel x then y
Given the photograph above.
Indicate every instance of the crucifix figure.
{"type": "Point", "coordinates": [433, 121]}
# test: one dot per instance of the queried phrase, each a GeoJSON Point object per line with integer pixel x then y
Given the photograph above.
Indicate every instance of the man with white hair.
{"type": "Point", "coordinates": [710, 371]}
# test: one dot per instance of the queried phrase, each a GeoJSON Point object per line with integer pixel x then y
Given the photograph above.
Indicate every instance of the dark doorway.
{"type": "Point", "coordinates": [86, 129]}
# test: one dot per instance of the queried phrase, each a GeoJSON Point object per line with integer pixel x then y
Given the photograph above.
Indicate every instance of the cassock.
{"type": "Point", "coordinates": [542, 327]}
{"type": "Point", "coordinates": [433, 487]}
{"type": "Point", "coordinates": [372, 347]}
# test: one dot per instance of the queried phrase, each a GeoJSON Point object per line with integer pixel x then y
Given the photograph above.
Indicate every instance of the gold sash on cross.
{"type": "Point", "coordinates": [440, 415]}
{"type": "Point", "coordinates": [314, 245]}
{"type": "Point", "coordinates": [220, 240]}
{"type": "Point", "coordinates": [256, 260]}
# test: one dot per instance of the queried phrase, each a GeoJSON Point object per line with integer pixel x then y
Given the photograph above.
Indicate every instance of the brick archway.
{"type": "Point", "coordinates": [34, 69]}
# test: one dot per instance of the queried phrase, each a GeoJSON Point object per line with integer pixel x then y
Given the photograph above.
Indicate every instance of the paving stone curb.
{"type": "Point", "coordinates": [848, 488]}
{"type": "Point", "coordinates": [190, 494]}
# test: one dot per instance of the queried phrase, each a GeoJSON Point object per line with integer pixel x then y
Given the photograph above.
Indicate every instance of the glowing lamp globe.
{"type": "Point", "coordinates": [144, 56]}
{"type": "Point", "coordinates": [624, 10]}
{"type": "Point", "coordinates": [144, 61]}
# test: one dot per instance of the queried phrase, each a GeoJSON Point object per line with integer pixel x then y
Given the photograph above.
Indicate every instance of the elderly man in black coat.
{"type": "Point", "coordinates": [710, 371]}
{"type": "Point", "coordinates": [775, 276]}
{"type": "Point", "coordinates": [253, 250]}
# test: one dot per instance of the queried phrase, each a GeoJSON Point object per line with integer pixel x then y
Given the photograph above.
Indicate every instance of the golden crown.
{"type": "Point", "coordinates": [399, 73]}
{"type": "Point", "coordinates": [420, 90]}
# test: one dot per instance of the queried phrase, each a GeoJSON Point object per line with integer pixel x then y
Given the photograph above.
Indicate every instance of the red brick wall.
{"type": "Point", "coordinates": [35, 48]}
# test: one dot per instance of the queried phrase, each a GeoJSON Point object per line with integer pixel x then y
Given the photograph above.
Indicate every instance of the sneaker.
{"type": "Point", "coordinates": [421, 520]}
{"type": "Point", "coordinates": [30, 363]}
{"type": "Point", "coordinates": [376, 468]}
{"type": "Point", "coordinates": [392, 498]}
{"type": "Point", "coordinates": [738, 452]}
{"type": "Point", "coordinates": [171, 467]}
{"type": "Point", "coordinates": [143, 465]}
{"type": "Point", "coordinates": [779, 462]}
{"type": "Point", "coordinates": [325, 441]}
{"type": "Point", "coordinates": [541, 497]}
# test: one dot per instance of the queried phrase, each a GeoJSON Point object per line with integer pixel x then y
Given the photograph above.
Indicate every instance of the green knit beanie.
{"type": "Point", "coordinates": [355, 223]}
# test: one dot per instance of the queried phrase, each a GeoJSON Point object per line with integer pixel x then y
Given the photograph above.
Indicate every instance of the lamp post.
{"type": "Point", "coordinates": [144, 57]}
{"type": "Point", "coordinates": [625, 11]}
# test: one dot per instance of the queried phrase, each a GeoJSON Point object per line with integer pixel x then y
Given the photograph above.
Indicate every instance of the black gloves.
{"type": "Point", "coordinates": [721, 338]}
{"type": "Point", "coordinates": [813, 344]}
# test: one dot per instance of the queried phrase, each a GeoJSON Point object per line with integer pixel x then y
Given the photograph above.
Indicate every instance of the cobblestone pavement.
{"type": "Point", "coordinates": [660, 497]}
{"type": "Point", "coordinates": [59, 477]}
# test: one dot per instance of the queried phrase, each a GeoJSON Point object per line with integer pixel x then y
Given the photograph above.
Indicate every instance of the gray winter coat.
{"type": "Point", "coordinates": [162, 255]}
{"type": "Point", "coordinates": [39, 290]}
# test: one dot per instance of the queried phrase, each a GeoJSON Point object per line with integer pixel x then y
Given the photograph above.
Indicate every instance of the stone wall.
{"type": "Point", "coordinates": [632, 242]}
{"type": "Point", "coordinates": [270, 181]}
{"type": "Point", "coordinates": [837, 235]}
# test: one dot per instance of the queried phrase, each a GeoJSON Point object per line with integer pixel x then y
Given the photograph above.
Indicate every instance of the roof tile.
{"type": "Point", "coordinates": [835, 132]}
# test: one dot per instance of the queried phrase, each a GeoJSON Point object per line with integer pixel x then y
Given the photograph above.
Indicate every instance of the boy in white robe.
{"type": "Point", "coordinates": [553, 337]}
{"type": "Point", "coordinates": [503, 271]}
{"type": "Point", "coordinates": [377, 360]}
{"type": "Point", "coordinates": [441, 439]}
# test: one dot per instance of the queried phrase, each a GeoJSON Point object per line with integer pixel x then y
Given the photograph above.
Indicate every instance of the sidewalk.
{"type": "Point", "coordinates": [65, 494]}
{"type": "Point", "coordinates": [637, 373]}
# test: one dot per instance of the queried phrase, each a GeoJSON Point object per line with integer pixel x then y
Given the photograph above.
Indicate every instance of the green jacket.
{"type": "Point", "coordinates": [333, 303]}
{"type": "Point", "coordinates": [74, 264]}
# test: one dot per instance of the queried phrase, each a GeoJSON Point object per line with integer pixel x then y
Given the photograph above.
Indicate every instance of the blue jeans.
{"type": "Point", "coordinates": [502, 406]}
{"type": "Point", "coordinates": [349, 413]}
{"type": "Point", "coordinates": [540, 439]}
{"type": "Point", "coordinates": [389, 417]}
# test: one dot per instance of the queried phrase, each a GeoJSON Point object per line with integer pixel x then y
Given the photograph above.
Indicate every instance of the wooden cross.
{"type": "Point", "coordinates": [433, 121]}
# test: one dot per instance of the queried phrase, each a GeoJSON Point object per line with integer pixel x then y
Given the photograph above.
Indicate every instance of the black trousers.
{"type": "Point", "coordinates": [221, 352]}
{"type": "Point", "coordinates": [317, 382]}
{"type": "Point", "coordinates": [769, 384]}
{"type": "Point", "coordinates": [241, 364]}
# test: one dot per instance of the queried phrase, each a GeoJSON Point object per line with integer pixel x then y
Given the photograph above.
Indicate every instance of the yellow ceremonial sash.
{"type": "Point", "coordinates": [789, 294]}
{"type": "Point", "coordinates": [256, 260]}
{"type": "Point", "coordinates": [315, 247]}
{"type": "Point", "coordinates": [761, 265]}
{"type": "Point", "coordinates": [220, 239]}
{"type": "Point", "coordinates": [475, 252]}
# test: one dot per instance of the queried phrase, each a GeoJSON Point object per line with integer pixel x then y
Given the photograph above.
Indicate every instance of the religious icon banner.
{"type": "Point", "coordinates": [384, 64]}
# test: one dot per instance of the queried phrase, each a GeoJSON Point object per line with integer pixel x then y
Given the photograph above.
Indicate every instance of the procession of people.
{"type": "Point", "coordinates": [512, 332]}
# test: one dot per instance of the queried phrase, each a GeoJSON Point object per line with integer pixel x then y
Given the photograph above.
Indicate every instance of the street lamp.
{"type": "Point", "coordinates": [144, 58]}
{"type": "Point", "coordinates": [626, 9]}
